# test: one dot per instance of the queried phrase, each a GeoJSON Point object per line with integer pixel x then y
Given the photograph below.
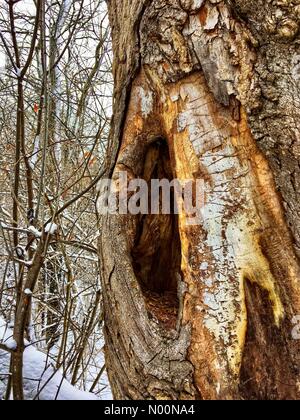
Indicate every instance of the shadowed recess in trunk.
{"type": "Point", "coordinates": [157, 250]}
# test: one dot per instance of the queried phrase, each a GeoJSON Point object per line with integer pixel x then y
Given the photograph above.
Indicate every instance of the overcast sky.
{"type": "Point", "coordinates": [2, 63]}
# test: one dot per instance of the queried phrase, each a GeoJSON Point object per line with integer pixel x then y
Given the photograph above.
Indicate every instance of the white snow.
{"type": "Point", "coordinates": [35, 232]}
{"type": "Point", "coordinates": [41, 380]}
{"type": "Point", "coordinates": [21, 252]}
{"type": "Point", "coordinates": [28, 292]}
{"type": "Point", "coordinates": [51, 228]}
{"type": "Point", "coordinates": [34, 157]}
{"type": "Point", "coordinates": [10, 344]}
{"type": "Point", "coordinates": [18, 72]}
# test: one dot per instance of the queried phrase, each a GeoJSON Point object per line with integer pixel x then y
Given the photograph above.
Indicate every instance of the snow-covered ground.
{"type": "Point", "coordinates": [41, 380]}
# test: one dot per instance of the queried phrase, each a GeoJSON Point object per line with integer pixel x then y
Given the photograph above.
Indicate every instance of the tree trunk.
{"type": "Point", "coordinates": [205, 90]}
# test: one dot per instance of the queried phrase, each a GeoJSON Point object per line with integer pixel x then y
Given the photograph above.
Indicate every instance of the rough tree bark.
{"type": "Point", "coordinates": [206, 89]}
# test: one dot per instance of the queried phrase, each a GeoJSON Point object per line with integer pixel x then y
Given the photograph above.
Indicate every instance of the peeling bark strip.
{"type": "Point", "coordinates": [196, 312]}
